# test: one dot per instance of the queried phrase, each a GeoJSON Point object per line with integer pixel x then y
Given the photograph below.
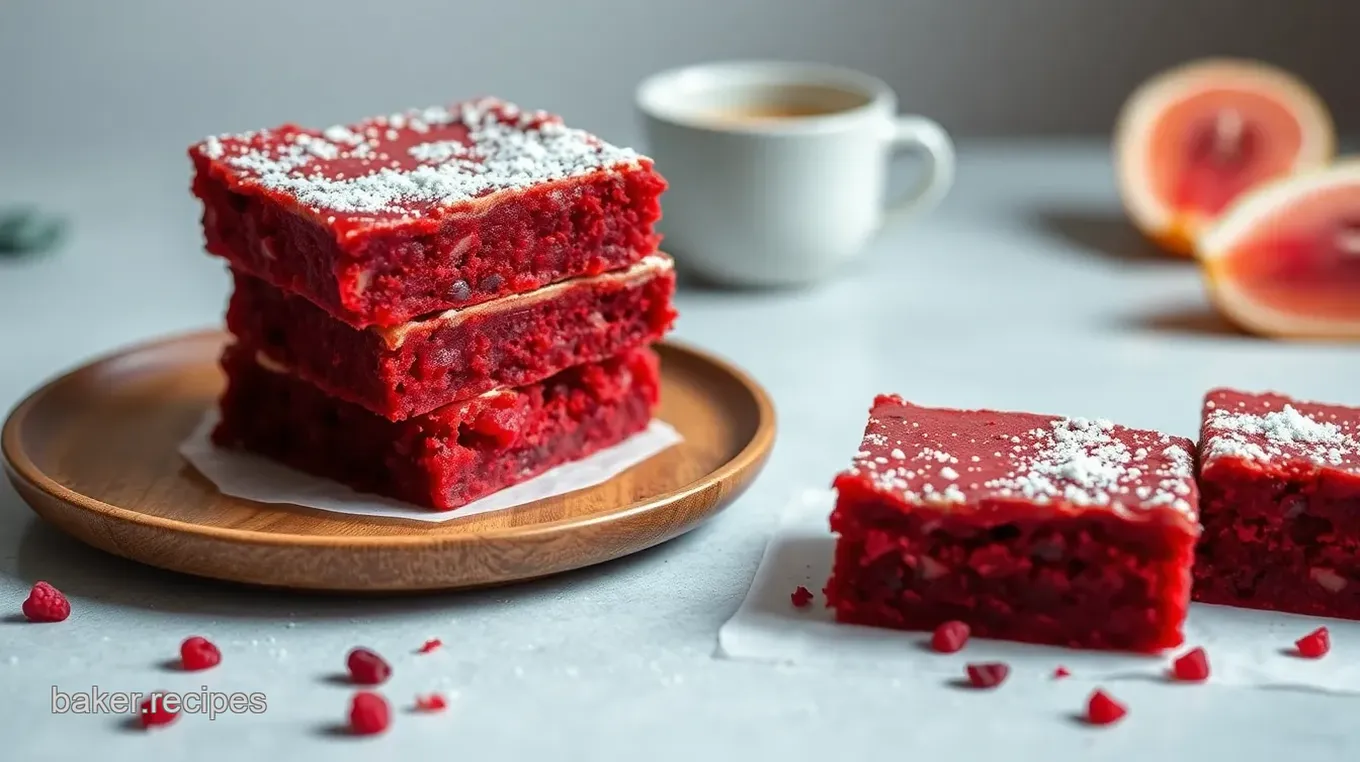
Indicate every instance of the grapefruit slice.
{"type": "Point", "coordinates": [1193, 138]}
{"type": "Point", "coordinates": [1284, 259]}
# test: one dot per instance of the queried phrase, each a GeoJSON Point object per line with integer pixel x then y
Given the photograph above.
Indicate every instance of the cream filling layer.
{"type": "Point", "coordinates": [643, 270]}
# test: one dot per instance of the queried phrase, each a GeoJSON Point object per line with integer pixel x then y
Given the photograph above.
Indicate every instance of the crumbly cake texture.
{"type": "Point", "coordinates": [1025, 527]}
{"type": "Point", "coordinates": [1281, 506]}
{"type": "Point", "coordinates": [452, 456]}
{"type": "Point", "coordinates": [418, 367]}
{"type": "Point", "coordinates": [399, 216]}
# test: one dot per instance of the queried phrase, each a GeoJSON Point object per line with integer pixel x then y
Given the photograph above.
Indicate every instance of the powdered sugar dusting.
{"type": "Point", "coordinates": [212, 148]}
{"type": "Point", "coordinates": [412, 163]}
{"type": "Point", "coordinates": [1268, 428]}
{"type": "Point", "coordinates": [1076, 462]}
{"type": "Point", "coordinates": [438, 152]}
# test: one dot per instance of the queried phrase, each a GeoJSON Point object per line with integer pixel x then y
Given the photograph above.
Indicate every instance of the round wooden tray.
{"type": "Point", "coordinates": [94, 452]}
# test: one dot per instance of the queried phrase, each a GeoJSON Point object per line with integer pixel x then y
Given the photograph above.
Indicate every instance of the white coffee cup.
{"type": "Point", "coordinates": [778, 171]}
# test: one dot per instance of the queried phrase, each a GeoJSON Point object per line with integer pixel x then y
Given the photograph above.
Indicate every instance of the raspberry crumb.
{"type": "Point", "coordinates": [368, 714]}
{"type": "Point", "coordinates": [46, 604]}
{"type": "Point", "coordinates": [801, 597]}
{"type": "Point", "coordinates": [1060, 672]}
{"type": "Point", "coordinates": [154, 712]}
{"type": "Point", "coordinates": [1315, 644]}
{"type": "Point", "coordinates": [431, 703]}
{"type": "Point", "coordinates": [1192, 667]}
{"type": "Point", "coordinates": [1103, 710]}
{"type": "Point", "coordinates": [987, 675]}
{"type": "Point", "coordinates": [949, 637]}
{"type": "Point", "coordinates": [198, 653]}
{"type": "Point", "coordinates": [432, 644]}
{"type": "Point", "coordinates": [366, 667]}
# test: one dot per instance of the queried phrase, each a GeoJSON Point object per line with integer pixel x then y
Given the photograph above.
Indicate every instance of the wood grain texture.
{"type": "Point", "coordinates": [94, 452]}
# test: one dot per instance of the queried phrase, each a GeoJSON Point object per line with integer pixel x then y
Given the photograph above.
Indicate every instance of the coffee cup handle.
{"type": "Point", "coordinates": [918, 133]}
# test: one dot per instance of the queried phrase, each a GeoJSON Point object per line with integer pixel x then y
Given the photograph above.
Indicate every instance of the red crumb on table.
{"type": "Point", "coordinates": [801, 597]}
{"type": "Point", "coordinates": [366, 667]}
{"type": "Point", "coordinates": [987, 675]}
{"type": "Point", "coordinates": [1280, 480]}
{"type": "Point", "coordinates": [46, 604]}
{"type": "Point", "coordinates": [1060, 672]}
{"type": "Point", "coordinates": [1023, 526]}
{"type": "Point", "coordinates": [199, 653]}
{"type": "Point", "coordinates": [1191, 667]}
{"type": "Point", "coordinates": [1315, 644]}
{"type": "Point", "coordinates": [949, 637]}
{"type": "Point", "coordinates": [154, 712]}
{"type": "Point", "coordinates": [433, 644]}
{"type": "Point", "coordinates": [1103, 710]}
{"type": "Point", "coordinates": [431, 703]}
{"type": "Point", "coordinates": [369, 714]}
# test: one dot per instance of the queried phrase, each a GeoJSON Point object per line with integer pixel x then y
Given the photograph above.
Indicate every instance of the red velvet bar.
{"type": "Point", "coordinates": [1281, 506]}
{"type": "Point", "coordinates": [400, 216]}
{"type": "Point", "coordinates": [420, 366]}
{"type": "Point", "coordinates": [1026, 527]}
{"type": "Point", "coordinates": [451, 456]}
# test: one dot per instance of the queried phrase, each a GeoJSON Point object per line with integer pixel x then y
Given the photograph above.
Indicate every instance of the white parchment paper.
{"type": "Point", "coordinates": [1245, 648]}
{"type": "Point", "coordinates": [251, 477]}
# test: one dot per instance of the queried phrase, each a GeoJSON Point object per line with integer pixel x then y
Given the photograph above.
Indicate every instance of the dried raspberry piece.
{"type": "Point", "coordinates": [1060, 672]}
{"type": "Point", "coordinates": [1315, 644]}
{"type": "Point", "coordinates": [368, 714]}
{"type": "Point", "coordinates": [801, 597]}
{"type": "Point", "coordinates": [431, 703]}
{"type": "Point", "coordinates": [1191, 667]}
{"type": "Point", "coordinates": [154, 712]}
{"type": "Point", "coordinates": [433, 644]}
{"type": "Point", "coordinates": [987, 675]}
{"type": "Point", "coordinates": [199, 653]}
{"type": "Point", "coordinates": [366, 667]}
{"type": "Point", "coordinates": [46, 604]}
{"type": "Point", "coordinates": [949, 637]}
{"type": "Point", "coordinates": [1103, 710]}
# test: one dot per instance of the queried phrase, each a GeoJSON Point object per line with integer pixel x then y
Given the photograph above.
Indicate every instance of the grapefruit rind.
{"type": "Point", "coordinates": [1176, 229]}
{"type": "Point", "coordinates": [1237, 223]}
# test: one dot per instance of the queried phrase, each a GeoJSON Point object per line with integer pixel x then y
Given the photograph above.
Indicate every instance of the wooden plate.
{"type": "Point", "coordinates": [94, 452]}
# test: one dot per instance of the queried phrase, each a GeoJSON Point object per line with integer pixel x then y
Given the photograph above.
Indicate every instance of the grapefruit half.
{"type": "Point", "coordinates": [1284, 259]}
{"type": "Point", "coordinates": [1192, 139]}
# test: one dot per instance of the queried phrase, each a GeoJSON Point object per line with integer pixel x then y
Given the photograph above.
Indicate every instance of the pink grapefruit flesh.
{"type": "Point", "coordinates": [1284, 259]}
{"type": "Point", "coordinates": [1193, 139]}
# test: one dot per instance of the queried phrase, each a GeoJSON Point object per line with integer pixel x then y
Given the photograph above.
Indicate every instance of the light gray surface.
{"type": "Point", "coordinates": [1025, 290]}
{"type": "Point", "coordinates": [79, 78]}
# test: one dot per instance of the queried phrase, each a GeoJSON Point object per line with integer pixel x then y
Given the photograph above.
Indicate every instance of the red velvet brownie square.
{"type": "Point", "coordinates": [400, 216]}
{"type": "Point", "coordinates": [446, 458]}
{"type": "Point", "coordinates": [1281, 505]}
{"type": "Point", "coordinates": [414, 368]}
{"type": "Point", "coordinates": [1027, 527]}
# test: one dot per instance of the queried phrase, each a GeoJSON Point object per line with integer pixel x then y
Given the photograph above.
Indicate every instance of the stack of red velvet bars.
{"type": "Point", "coordinates": [1084, 533]}
{"type": "Point", "coordinates": [436, 304]}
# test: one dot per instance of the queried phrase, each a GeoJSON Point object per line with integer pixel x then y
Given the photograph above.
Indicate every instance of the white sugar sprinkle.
{"type": "Point", "coordinates": [1081, 463]}
{"type": "Point", "coordinates": [339, 134]}
{"type": "Point", "coordinates": [1078, 461]}
{"type": "Point", "coordinates": [505, 149]}
{"type": "Point", "coordinates": [1272, 434]}
{"type": "Point", "coordinates": [438, 151]}
{"type": "Point", "coordinates": [212, 148]}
